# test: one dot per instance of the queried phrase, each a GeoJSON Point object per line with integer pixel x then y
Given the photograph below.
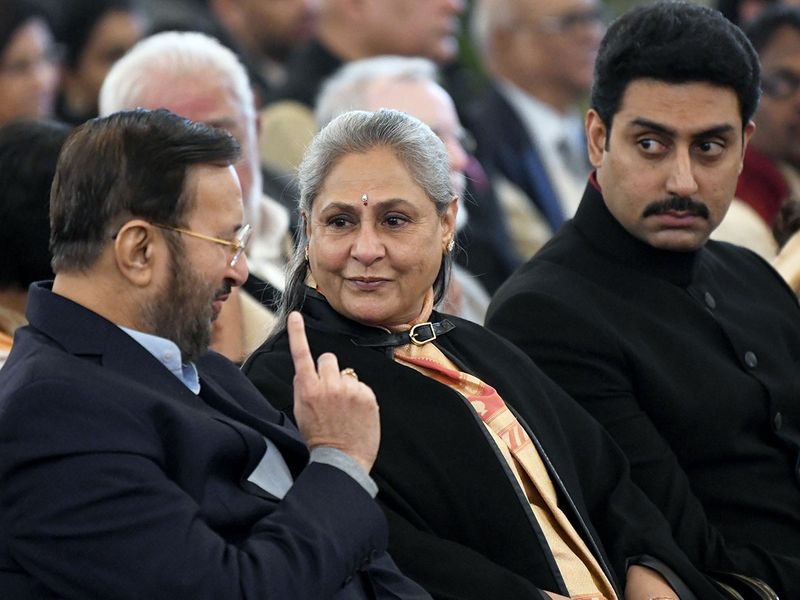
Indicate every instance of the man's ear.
{"type": "Point", "coordinates": [596, 137]}
{"type": "Point", "coordinates": [746, 135]}
{"type": "Point", "coordinates": [136, 247]}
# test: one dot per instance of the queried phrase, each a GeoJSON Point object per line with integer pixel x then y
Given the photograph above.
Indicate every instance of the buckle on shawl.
{"type": "Point", "coordinates": [419, 330]}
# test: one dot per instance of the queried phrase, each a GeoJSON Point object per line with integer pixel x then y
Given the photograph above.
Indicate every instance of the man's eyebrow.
{"type": "Point", "coordinates": [714, 131]}
{"type": "Point", "coordinates": [653, 126]}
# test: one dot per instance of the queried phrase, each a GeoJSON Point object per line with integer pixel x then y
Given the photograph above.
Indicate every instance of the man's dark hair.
{"type": "Point", "coordinates": [763, 28]}
{"type": "Point", "coordinates": [28, 155]}
{"type": "Point", "coordinates": [131, 164]}
{"type": "Point", "coordinates": [674, 42]}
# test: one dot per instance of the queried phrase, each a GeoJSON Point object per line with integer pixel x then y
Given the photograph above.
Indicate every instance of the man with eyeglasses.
{"type": "Point", "coordinates": [135, 464]}
{"type": "Point", "coordinates": [540, 55]}
{"type": "Point", "coordinates": [198, 78]}
{"type": "Point", "coordinates": [771, 173]}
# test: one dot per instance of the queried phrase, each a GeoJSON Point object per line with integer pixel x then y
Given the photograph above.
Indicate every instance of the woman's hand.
{"type": "Point", "coordinates": [645, 584]}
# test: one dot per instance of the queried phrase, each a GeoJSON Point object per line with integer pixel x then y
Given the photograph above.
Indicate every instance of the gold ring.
{"type": "Point", "coordinates": [351, 372]}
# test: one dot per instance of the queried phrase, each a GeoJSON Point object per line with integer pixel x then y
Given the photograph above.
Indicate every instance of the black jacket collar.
{"type": "Point", "coordinates": [599, 227]}
{"type": "Point", "coordinates": [321, 316]}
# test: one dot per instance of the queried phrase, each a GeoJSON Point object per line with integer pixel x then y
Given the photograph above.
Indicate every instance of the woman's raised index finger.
{"type": "Point", "coordinates": [298, 346]}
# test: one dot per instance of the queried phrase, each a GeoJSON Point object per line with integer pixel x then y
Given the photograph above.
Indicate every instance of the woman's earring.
{"type": "Point", "coordinates": [450, 245]}
{"type": "Point", "coordinates": [306, 251]}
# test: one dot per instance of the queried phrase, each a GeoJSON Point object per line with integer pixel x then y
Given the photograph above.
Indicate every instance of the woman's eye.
{"type": "Point", "coordinates": [338, 222]}
{"type": "Point", "coordinates": [395, 220]}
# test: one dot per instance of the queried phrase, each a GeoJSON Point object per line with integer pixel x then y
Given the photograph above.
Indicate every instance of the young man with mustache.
{"type": "Point", "coordinates": [685, 349]}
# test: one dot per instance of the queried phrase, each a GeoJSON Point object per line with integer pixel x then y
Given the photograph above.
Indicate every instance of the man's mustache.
{"type": "Point", "coordinates": [223, 291]}
{"type": "Point", "coordinates": [677, 204]}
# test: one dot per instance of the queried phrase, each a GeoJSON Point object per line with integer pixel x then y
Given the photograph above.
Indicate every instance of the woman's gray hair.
{"type": "Point", "coordinates": [358, 132]}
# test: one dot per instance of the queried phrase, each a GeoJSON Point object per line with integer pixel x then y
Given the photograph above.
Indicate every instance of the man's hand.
{"type": "Point", "coordinates": [332, 407]}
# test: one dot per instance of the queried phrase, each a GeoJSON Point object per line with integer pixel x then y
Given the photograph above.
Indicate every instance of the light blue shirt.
{"type": "Point", "coordinates": [169, 355]}
{"type": "Point", "coordinates": [272, 473]}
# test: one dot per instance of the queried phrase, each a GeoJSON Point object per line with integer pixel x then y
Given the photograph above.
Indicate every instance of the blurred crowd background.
{"type": "Point", "coordinates": [504, 84]}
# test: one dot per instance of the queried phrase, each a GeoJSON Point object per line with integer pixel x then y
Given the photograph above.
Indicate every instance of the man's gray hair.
{"type": "Point", "coordinates": [159, 61]}
{"type": "Point", "coordinates": [358, 132]}
{"type": "Point", "coordinates": [347, 89]}
{"type": "Point", "coordinates": [172, 54]}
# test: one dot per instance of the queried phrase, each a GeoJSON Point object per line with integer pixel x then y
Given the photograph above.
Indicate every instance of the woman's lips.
{"type": "Point", "coordinates": [367, 283]}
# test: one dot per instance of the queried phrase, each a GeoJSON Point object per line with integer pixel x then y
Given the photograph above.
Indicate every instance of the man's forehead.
{"type": "Point", "coordinates": [686, 107]}
{"type": "Point", "coordinates": [550, 8]}
{"type": "Point", "coordinates": [385, 90]}
{"type": "Point", "coordinates": [193, 98]}
{"type": "Point", "coordinates": [421, 98]}
{"type": "Point", "coordinates": [216, 192]}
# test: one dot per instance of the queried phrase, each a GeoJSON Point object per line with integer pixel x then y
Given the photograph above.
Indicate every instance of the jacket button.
{"type": "Point", "coordinates": [777, 421]}
{"type": "Point", "coordinates": [750, 359]}
{"type": "Point", "coordinates": [710, 302]}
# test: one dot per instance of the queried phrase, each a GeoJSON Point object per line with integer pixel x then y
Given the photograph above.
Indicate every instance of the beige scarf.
{"type": "Point", "coordinates": [580, 570]}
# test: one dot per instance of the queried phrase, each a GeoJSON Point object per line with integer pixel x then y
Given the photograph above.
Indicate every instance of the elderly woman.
{"type": "Point", "coordinates": [495, 484]}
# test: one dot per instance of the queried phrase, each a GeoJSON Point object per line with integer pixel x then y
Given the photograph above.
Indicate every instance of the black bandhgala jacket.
{"type": "Point", "coordinates": [691, 360]}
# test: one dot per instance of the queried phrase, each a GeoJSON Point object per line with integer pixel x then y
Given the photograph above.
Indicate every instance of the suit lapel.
{"type": "Point", "coordinates": [286, 438]}
{"type": "Point", "coordinates": [519, 159]}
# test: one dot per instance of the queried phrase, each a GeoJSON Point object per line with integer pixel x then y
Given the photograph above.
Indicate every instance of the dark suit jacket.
{"type": "Point", "coordinates": [306, 71]}
{"type": "Point", "coordinates": [504, 144]}
{"type": "Point", "coordinates": [118, 482]}
{"type": "Point", "coordinates": [692, 362]}
{"type": "Point", "coordinates": [458, 524]}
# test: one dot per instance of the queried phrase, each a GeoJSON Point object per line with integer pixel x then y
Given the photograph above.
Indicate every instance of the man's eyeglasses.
{"type": "Point", "coordinates": [571, 21]}
{"type": "Point", "coordinates": [239, 243]}
{"type": "Point", "coordinates": [781, 84]}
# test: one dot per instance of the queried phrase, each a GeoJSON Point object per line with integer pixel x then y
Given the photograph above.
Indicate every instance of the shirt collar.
{"type": "Point", "coordinates": [169, 355]}
{"type": "Point", "coordinates": [595, 223]}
